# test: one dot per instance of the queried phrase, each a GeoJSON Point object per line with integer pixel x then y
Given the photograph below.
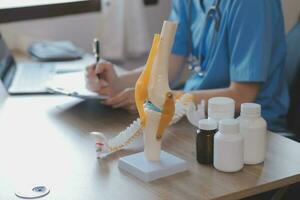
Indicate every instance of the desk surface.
{"type": "Point", "coordinates": [43, 139]}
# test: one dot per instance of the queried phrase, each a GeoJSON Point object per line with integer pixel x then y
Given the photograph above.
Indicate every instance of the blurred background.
{"type": "Point", "coordinates": [125, 28]}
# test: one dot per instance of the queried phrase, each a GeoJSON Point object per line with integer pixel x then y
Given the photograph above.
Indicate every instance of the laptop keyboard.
{"type": "Point", "coordinates": [32, 78]}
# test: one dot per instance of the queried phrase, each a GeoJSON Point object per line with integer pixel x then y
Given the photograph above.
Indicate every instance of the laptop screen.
{"type": "Point", "coordinates": [7, 64]}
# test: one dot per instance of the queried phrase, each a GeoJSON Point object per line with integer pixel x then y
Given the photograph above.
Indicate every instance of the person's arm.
{"type": "Point", "coordinates": [249, 26]}
{"type": "Point", "coordinates": [176, 64]}
{"type": "Point", "coordinates": [240, 92]}
{"type": "Point", "coordinates": [126, 99]}
{"type": "Point", "coordinates": [128, 80]}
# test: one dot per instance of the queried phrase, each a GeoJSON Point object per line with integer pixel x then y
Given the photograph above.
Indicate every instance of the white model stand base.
{"type": "Point", "coordinates": [147, 171]}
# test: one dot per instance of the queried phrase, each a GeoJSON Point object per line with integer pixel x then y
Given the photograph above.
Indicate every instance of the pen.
{"type": "Point", "coordinates": [96, 51]}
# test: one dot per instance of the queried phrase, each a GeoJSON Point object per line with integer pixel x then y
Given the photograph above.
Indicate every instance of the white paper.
{"type": "Point", "coordinates": [72, 84]}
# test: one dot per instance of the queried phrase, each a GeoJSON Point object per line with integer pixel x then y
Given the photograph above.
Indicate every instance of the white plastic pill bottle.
{"type": "Point", "coordinates": [254, 130]}
{"type": "Point", "coordinates": [221, 108]}
{"type": "Point", "coordinates": [228, 147]}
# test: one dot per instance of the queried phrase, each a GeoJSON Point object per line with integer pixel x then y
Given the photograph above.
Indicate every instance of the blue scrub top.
{"type": "Point", "coordinates": [250, 47]}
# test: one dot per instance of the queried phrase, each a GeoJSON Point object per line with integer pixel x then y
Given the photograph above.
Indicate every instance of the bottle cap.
{"type": "Point", "coordinates": [252, 109]}
{"type": "Point", "coordinates": [229, 126]}
{"type": "Point", "coordinates": [221, 105]}
{"type": "Point", "coordinates": [208, 124]}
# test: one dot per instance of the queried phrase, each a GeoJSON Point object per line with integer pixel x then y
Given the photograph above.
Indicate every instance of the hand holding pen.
{"type": "Point", "coordinates": [101, 77]}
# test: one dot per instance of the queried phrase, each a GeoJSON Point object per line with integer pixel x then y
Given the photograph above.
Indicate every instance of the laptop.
{"type": "Point", "coordinates": [23, 78]}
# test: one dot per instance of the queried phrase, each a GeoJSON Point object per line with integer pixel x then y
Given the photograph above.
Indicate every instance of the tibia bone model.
{"type": "Point", "coordinates": [155, 102]}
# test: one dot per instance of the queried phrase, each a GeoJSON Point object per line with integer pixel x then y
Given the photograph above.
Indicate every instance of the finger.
{"type": "Point", "coordinates": [90, 78]}
{"type": "Point", "coordinates": [90, 74]}
{"type": "Point", "coordinates": [103, 70]}
{"type": "Point", "coordinates": [92, 87]}
{"type": "Point", "coordinates": [94, 82]}
{"type": "Point", "coordinates": [103, 83]}
{"type": "Point", "coordinates": [118, 98]}
{"type": "Point", "coordinates": [104, 91]}
{"type": "Point", "coordinates": [91, 81]}
{"type": "Point", "coordinates": [90, 68]}
{"type": "Point", "coordinates": [102, 67]}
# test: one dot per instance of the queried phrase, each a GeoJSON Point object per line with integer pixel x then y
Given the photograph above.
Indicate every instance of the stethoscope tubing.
{"type": "Point", "coordinates": [213, 15]}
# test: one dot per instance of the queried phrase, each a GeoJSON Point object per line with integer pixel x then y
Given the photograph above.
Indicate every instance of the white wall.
{"type": "Point", "coordinates": [81, 29]}
{"type": "Point", "coordinates": [78, 28]}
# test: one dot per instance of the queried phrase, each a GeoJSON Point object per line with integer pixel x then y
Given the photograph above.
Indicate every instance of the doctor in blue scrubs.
{"type": "Point", "coordinates": [234, 48]}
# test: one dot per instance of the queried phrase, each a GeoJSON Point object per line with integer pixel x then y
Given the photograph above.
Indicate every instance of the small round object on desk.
{"type": "Point", "coordinates": [32, 192]}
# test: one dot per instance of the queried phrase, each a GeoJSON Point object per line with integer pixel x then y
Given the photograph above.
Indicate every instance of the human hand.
{"type": "Point", "coordinates": [102, 78]}
{"type": "Point", "coordinates": [124, 99]}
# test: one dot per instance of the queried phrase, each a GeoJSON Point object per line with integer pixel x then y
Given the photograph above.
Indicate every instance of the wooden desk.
{"type": "Point", "coordinates": [44, 139]}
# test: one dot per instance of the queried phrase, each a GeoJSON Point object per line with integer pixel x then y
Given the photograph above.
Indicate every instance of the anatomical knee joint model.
{"type": "Point", "coordinates": [157, 105]}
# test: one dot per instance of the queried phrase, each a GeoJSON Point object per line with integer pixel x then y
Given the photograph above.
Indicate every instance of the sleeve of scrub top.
{"type": "Point", "coordinates": [250, 33]}
{"type": "Point", "coordinates": [179, 14]}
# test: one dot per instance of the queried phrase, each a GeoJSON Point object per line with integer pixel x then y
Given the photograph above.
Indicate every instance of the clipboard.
{"type": "Point", "coordinates": [71, 84]}
{"type": "Point", "coordinates": [57, 90]}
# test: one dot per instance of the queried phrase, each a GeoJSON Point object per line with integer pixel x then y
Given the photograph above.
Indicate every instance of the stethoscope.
{"type": "Point", "coordinates": [213, 15]}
